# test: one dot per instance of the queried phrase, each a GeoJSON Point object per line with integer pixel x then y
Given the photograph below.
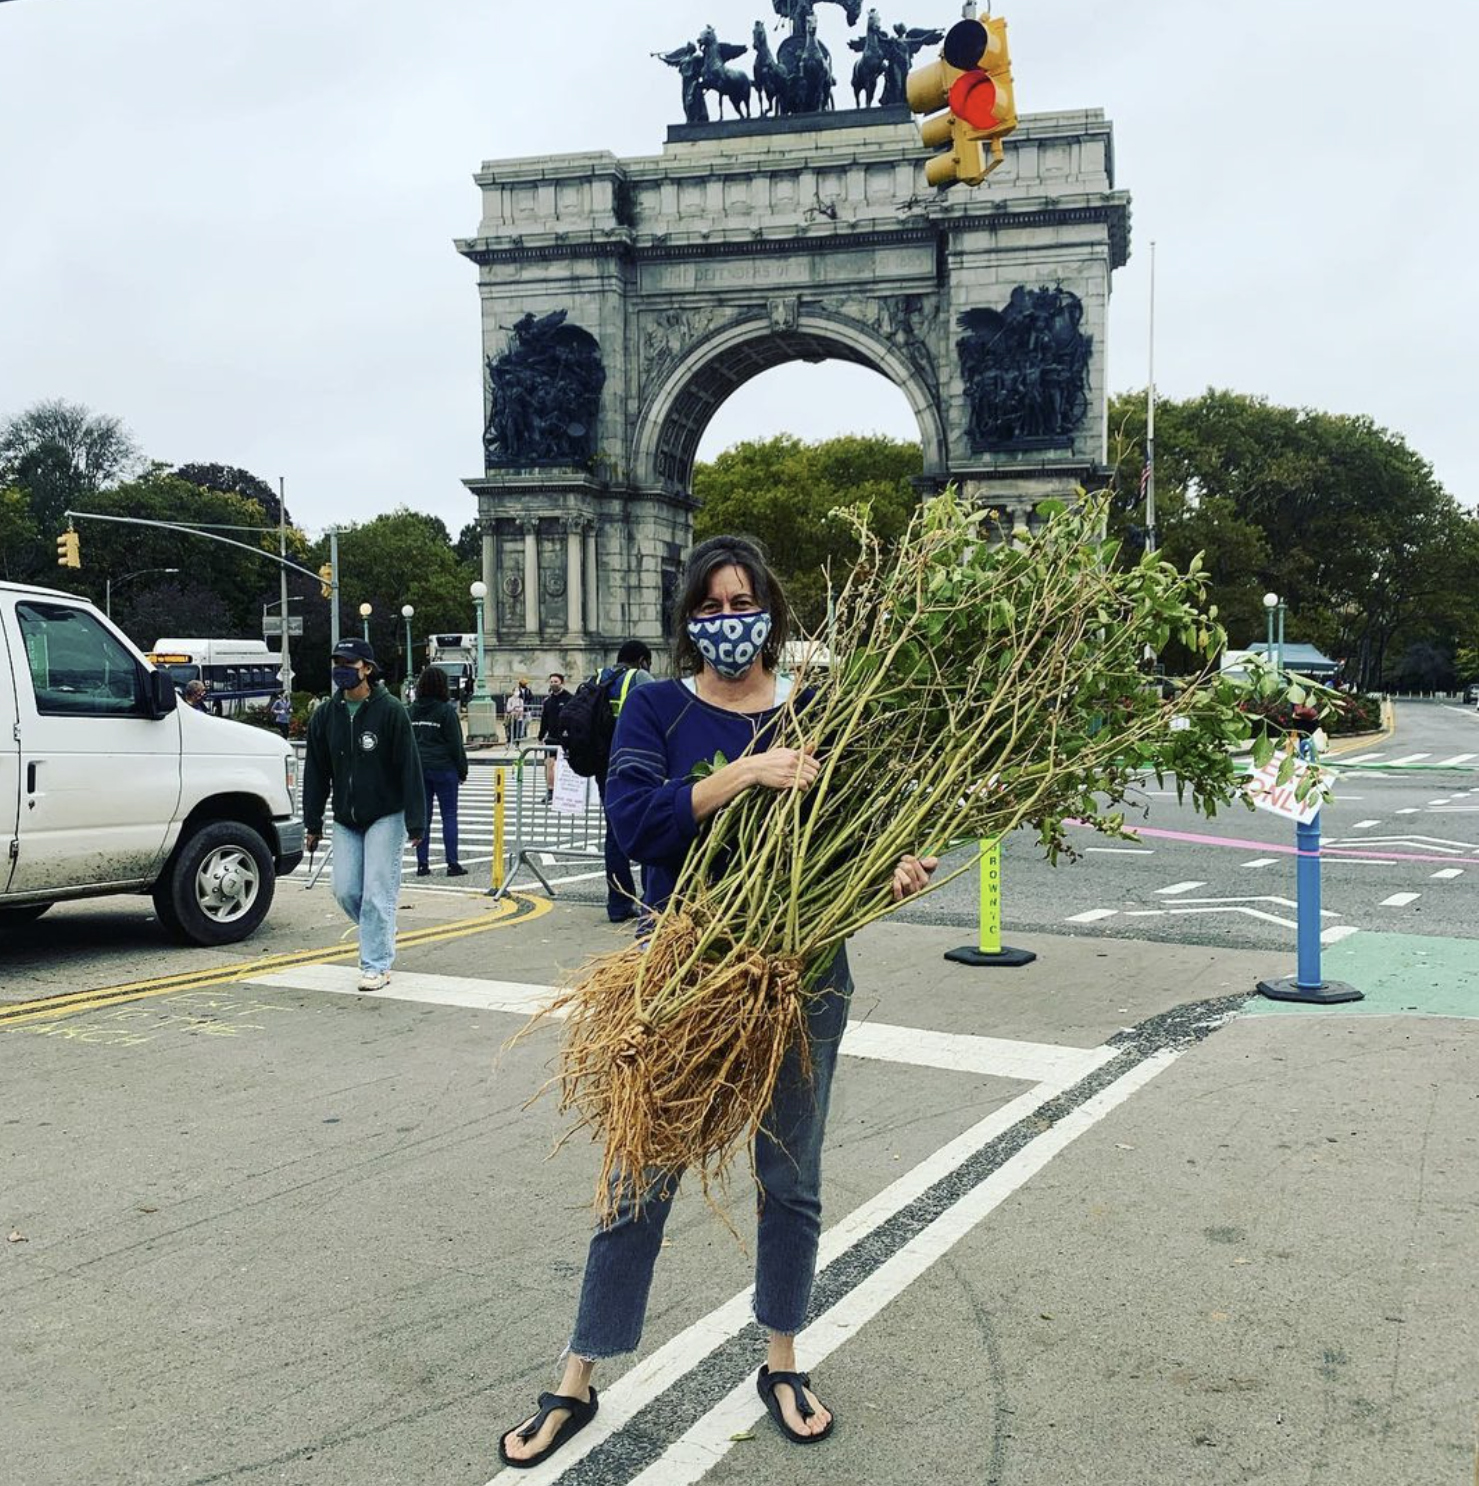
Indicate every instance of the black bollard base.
{"type": "Point", "coordinates": [1005, 958]}
{"type": "Point", "coordinates": [1327, 993]}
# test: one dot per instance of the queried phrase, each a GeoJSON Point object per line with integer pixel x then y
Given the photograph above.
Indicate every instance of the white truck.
{"type": "Point", "coordinates": [108, 784]}
{"type": "Point", "coordinates": [457, 655]}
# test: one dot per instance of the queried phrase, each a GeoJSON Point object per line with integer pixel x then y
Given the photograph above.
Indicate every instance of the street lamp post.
{"type": "Point", "coordinates": [1272, 605]}
{"type": "Point", "coordinates": [407, 613]}
{"type": "Point", "coordinates": [365, 610]}
{"type": "Point", "coordinates": [482, 716]}
{"type": "Point", "coordinates": [108, 596]}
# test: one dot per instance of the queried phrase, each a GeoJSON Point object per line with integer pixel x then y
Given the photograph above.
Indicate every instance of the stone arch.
{"type": "Point", "coordinates": [673, 419]}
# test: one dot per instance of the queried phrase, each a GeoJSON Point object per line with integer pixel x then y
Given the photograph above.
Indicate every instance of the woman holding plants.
{"type": "Point", "coordinates": [684, 749]}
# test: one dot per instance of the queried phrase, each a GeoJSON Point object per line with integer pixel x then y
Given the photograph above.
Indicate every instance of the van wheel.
{"type": "Point", "coordinates": [12, 915]}
{"type": "Point", "coordinates": [219, 885]}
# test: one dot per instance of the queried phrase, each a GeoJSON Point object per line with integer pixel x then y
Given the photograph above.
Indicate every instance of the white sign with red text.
{"type": "Point", "coordinates": [1268, 794]}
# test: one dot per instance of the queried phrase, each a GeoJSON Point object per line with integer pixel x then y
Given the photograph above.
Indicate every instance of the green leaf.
{"type": "Point", "coordinates": [1263, 751]}
{"type": "Point", "coordinates": [1286, 770]}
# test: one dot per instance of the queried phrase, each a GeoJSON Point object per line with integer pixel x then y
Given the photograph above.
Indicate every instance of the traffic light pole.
{"type": "Point", "coordinates": [286, 674]}
{"type": "Point", "coordinates": [334, 588]}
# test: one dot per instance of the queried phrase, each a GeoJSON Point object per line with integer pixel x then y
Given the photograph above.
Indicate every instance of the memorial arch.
{"type": "Point", "coordinates": [624, 300]}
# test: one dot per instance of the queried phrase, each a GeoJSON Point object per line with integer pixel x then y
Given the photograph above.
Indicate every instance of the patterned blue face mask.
{"type": "Point", "coordinates": [731, 643]}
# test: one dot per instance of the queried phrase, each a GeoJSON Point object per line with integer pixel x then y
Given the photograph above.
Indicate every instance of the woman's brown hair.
{"type": "Point", "coordinates": [704, 561]}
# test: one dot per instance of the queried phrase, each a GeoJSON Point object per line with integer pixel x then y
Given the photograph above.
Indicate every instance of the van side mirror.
{"type": "Point", "coordinates": [163, 699]}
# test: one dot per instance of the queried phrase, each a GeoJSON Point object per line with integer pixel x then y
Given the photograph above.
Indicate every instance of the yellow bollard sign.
{"type": "Point", "coordinates": [500, 776]}
{"type": "Point", "coordinates": [989, 950]}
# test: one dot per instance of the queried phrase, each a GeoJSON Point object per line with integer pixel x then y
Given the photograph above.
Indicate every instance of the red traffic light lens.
{"type": "Point", "coordinates": [973, 100]}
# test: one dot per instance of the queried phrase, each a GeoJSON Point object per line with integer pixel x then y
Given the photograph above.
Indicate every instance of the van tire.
{"type": "Point", "coordinates": [13, 915]}
{"type": "Point", "coordinates": [218, 885]}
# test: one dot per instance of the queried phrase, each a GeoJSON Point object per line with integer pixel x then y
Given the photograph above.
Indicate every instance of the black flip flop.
{"type": "Point", "coordinates": [799, 1382]}
{"type": "Point", "coordinates": [581, 1414]}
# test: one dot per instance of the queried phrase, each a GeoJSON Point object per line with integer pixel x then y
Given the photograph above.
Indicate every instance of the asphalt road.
{"type": "Point", "coordinates": [1100, 1219]}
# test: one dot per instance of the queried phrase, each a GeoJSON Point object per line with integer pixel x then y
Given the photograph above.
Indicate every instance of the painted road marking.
{"type": "Point", "coordinates": [1363, 758]}
{"type": "Point", "coordinates": [1093, 916]}
{"type": "Point", "coordinates": [1458, 758]}
{"type": "Point", "coordinates": [1365, 825]}
{"type": "Point", "coordinates": [1338, 932]}
{"type": "Point", "coordinates": [1412, 758]}
{"type": "Point", "coordinates": [992, 1057]}
{"type": "Point", "coordinates": [1179, 887]}
{"type": "Point", "coordinates": [879, 1260]}
{"type": "Point", "coordinates": [1448, 874]}
{"type": "Point", "coordinates": [1268, 918]}
{"type": "Point", "coordinates": [519, 909]}
{"type": "Point", "coordinates": [1122, 851]}
{"type": "Point", "coordinates": [1431, 803]}
{"type": "Point", "coordinates": [1261, 862]}
{"type": "Point", "coordinates": [1400, 900]}
{"type": "Point", "coordinates": [1410, 810]}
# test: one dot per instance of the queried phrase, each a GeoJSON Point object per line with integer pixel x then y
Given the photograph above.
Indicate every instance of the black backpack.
{"type": "Point", "coordinates": [588, 723]}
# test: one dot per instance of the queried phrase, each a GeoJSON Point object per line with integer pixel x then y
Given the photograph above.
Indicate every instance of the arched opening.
{"type": "Point", "coordinates": [674, 423]}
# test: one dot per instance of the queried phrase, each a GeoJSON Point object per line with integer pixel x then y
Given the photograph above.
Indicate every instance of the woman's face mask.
{"type": "Point", "coordinates": [731, 643]}
{"type": "Point", "coordinates": [346, 678]}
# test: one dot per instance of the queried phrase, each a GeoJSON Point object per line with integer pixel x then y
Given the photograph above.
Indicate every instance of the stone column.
{"type": "Point", "coordinates": [531, 576]}
{"type": "Point", "coordinates": [490, 579]}
{"type": "Point", "coordinates": [573, 579]}
{"type": "Point", "coordinates": [592, 596]}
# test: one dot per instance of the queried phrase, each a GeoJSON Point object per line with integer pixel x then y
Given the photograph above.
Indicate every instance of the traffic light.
{"type": "Point", "coordinates": [326, 580]}
{"type": "Point", "coordinates": [972, 81]}
{"type": "Point", "coordinates": [69, 550]}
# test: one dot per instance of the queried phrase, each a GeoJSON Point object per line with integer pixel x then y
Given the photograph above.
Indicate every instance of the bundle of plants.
{"type": "Point", "coordinates": [971, 688]}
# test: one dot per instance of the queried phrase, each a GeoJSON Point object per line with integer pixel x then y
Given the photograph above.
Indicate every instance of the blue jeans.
{"type": "Point", "coordinates": [441, 787]}
{"type": "Point", "coordinates": [788, 1162]}
{"type": "Point", "coordinates": [367, 884]}
{"type": "Point", "coordinates": [622, 900]}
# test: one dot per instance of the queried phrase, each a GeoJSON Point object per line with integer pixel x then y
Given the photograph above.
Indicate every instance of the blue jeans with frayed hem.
{"type": "Point", "coordinates": [367, 885]}
{"type": "Point", "coordinates": [788, 1163]}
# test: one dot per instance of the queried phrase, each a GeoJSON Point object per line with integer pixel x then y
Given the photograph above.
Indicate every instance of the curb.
{"type": "Point", "coordinates": [1360, 742]}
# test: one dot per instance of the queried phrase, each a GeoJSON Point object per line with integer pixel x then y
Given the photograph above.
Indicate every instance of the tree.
{"type": "Point", "coordinates": [783, 491]}
{"type": "Point", "coordinates": [403, 557]}
{"type": "Point", "coordinates": [1341, 518]}
{"type": "Point", "coordinates": [99, 449]}
{"type": "Point", "coordinates": [230, 480]}
{"type": "Point", "coordinates": [20, 540]}
{"type": "Point", "coordinates": [469, 545]}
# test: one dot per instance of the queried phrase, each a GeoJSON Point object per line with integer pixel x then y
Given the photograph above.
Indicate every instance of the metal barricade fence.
{"type": "Point", "coordinates": [569, 827]}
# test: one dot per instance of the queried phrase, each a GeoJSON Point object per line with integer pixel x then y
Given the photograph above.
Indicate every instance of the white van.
{"type": "Point", "coordinates": [109, 785]}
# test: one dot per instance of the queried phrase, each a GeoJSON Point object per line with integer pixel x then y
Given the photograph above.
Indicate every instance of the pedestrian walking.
{"type": "Point", "coordinates": [282, 713]}
{"type": "Point", "coordinates": [726, 702]}
{"type": "Point", "coordinates": [633, 668]}
{"type": "Point", "coordinates": [360, 751]}
{"type": "Point", "coordinates": [549, 729]}
{"type": "Point", "coordinates": [437, 728]}
{"type": "Point", "coordinates": [514, 713]}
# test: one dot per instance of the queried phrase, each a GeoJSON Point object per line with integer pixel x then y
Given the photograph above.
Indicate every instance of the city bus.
{"type": "Point", "coordinates": [237, 673]}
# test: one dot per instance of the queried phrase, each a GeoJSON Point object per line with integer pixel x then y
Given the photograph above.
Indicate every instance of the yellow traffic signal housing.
{"type": "Point", "coordinates": [69, 550]}
{"type": "Point", "coordinates": [972, 80]}
{"type": "Point", "coordinates": [326, 580]}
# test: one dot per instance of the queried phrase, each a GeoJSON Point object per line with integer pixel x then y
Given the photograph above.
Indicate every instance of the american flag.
{"type": "Point", "coordinates": [1145, 477]}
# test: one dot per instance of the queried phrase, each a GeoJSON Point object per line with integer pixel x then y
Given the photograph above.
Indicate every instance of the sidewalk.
{"type": "Point", "coordinates": [334, 1249]}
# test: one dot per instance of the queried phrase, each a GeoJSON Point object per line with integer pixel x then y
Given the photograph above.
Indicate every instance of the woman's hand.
{"type": "Point", "coordinates": [785, 768]}
{"type": "Point", "coordinates": [912, 875]}
{"type": "Point", "coordinates": [776, 768]}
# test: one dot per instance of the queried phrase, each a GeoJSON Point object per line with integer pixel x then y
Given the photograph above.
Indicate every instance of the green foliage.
{"type": "Point", "coordinates": [229, 480]}
{"type": "Point", "coordinates": [783, 491]}
{"type": "Point", "coordinates": [94, 449]}
{"type": "Point", "coordinates": [403, 557]}
{"type": "Point", "coordinates": [1338, 516]}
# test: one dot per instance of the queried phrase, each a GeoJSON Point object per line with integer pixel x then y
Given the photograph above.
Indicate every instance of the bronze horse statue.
{"type": "Point", "coordinates": [728, 82]}
{"type": "Point", "coordinates": [769, 80]}
{"type": "Point", "coordinates": [869, 69]}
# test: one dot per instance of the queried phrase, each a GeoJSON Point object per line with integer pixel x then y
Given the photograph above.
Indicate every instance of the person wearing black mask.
{"type": "Point", "coordinates": [360, 749]}
{"type": "Point", "coordinates": [549, 729]}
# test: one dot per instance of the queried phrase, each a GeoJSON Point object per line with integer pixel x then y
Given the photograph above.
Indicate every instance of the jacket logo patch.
{"type": "Point", "coordinates": [368, 742]}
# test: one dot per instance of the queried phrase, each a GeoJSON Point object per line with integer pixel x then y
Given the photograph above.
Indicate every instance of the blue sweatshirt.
{"type": "Point", "coordinates": [663, 731]}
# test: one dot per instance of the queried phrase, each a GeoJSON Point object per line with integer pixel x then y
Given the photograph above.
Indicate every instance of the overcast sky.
{"type": "Point", "coordinates": [231, 224]}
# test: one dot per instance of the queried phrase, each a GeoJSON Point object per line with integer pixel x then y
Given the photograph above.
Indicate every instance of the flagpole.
{"type": "Point", "coordinates": [1150, 538]}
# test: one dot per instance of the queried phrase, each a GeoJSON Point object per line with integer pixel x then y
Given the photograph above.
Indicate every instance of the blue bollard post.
{"type": "Point", "coordinates": [1308, 985]}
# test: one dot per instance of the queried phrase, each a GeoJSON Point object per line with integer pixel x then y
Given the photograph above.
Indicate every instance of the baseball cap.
{"type": "Point", "coordinates": [356, 650]}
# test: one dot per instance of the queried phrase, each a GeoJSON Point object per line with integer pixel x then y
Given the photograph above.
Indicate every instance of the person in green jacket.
{"type": "Point", "coordinates": [361, 750]}
{"type": "Point", "coordinates": [438, 732]}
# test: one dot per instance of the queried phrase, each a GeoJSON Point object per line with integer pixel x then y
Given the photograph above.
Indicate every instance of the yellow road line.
{"type": "Point", "coordinates": [515, 909]}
